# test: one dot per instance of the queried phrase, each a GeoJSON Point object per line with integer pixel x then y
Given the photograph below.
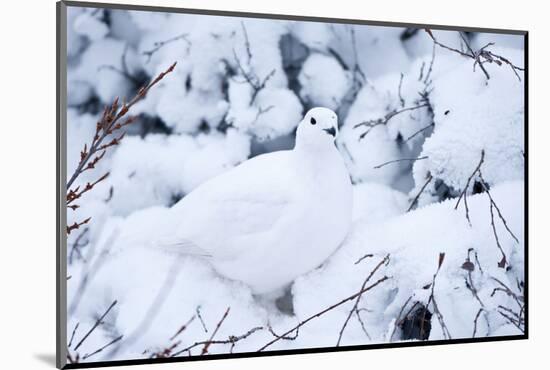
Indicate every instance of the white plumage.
{"type": "Point", "coordinates": [273, 217]}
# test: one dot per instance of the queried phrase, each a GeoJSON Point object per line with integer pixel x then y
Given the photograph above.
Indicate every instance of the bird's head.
{"type": "Point", "coordinates": [318, 127]}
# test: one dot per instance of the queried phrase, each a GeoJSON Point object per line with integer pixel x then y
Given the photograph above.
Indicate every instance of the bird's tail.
{"type": "Point", "coordinates": [181, 246]}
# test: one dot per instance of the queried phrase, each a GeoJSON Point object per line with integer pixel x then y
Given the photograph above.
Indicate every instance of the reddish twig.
{"type": "Point", "coordinates": [109, 123]}
{"type": "Point", "coordinates": [183, 327]}
{"type": "Point", "coordinates": [207, 344]}
{"type": "Point", "coordinates": [76, 225]}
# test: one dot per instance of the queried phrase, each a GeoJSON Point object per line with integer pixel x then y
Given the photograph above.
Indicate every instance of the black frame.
{"type": "Point", "coordinates": [61, 249]}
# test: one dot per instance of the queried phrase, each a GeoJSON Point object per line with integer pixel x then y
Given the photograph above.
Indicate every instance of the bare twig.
{"type": "Point", "coordinates": [207, 344]}
{"type": "Point", "coordinates": [475, 321]}
{"type": "Point", "coordinates": [437, 312]}
{"type": "Point", "coordinates": [75, 247]}
{"type": "Point", "coordinates": [400, 160]}
{"type": "Point", "coordinates": [72, 195]}
{"type": "Point", "coordinates": [320, 313]}
{"type": "Point", "coordinates": [370, 124]}
{"type": "Point", "coordinates": [90, 156]}
{"type": "Point", "coordinates": [77, 225]}
{"type": "Point", "coordinates": [517, 298]}
{"type": "Point", "coordinates": [86, 356]}
{"type": "Point", "coordinates": [183, 327]}
{"type": "Point", "coordinates": [504, 261]}
{"type": "Point", "coordinates": [360, 319]}
{"type": "Point", "coordinates": [512, 321]}
{"type": "Point", "coordinates": [401, 100]}
{"type": "Point", "coordinates": [198, 311]}
{"type": "Point", "coordinates": [480, 56]}
{"type": "Point", "coordinates": [420, 131]}
{"type": "Point", "coordinates": [463, 194]}
{"type": "Point", "coordinates": [284, 337]}
{"type": "Point", "coordinates": [486, 188]}
{"type": "Point", "coordinates": [358, 299]}
{"type": "Point", "coordinates": [110, 123]}
{"type": "Point", "coordinates": [248, 72]}
{"type": "Point", "coordinates": [362, 258]}
{"type": "Point", "coordinates": [72, 335]}
{"type": "Point", "coordinates": [159, 44]}
{"type": "Point", "coordinates": [232, 339]}
{"type": "Point", "coordinates": [96, 324]}
{"type": "Point", "coordinates": [469, 267]}
{"type": "Point", "coordinates": [428, 74]}
{"type": "Point", "coordinates": [398, 319]}
{"type": "Point", "coordinates": [415, 200]}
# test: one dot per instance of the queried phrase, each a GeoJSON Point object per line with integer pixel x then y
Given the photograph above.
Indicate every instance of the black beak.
{"type": "Point", "coordinates": [330, 131]}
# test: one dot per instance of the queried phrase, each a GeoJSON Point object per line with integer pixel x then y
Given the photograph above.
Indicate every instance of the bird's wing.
{"type": "Point", "coordinates": [236, 206]}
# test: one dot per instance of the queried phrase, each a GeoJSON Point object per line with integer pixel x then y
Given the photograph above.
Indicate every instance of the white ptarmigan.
{"type": "Point", "coordinates": [275, 216]}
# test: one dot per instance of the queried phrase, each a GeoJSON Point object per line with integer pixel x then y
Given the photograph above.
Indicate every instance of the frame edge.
{"type": "Point", "coordinates": [61, 242]}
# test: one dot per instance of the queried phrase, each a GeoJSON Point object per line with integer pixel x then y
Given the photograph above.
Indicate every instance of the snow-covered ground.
{"type": "Point", "coordinates": [446, 264]}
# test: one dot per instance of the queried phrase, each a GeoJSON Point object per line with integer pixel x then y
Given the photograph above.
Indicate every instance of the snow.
{"type": "Point", "coordinates": [90, 25]}
{"type": "Point", "coordinates": [318, 72]}
{"type": "Point", "coordinates": [490, 119]}
{"type": "Point", "coordinates": [234, 95]}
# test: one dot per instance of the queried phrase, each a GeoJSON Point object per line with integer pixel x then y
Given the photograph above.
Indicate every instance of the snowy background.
{"type": "Point", "coordinates": [441, 225]}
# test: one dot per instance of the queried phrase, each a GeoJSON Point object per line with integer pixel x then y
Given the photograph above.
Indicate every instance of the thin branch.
{"type": "Point", "coordinates": [486, 188]}
{"type": "Point", "coordinates": [77, 225]}
{"type": "Point", "coordinates": [358, 299]}
{"type": "Point", "coordinates": [75, 247]}
{"type": "Point", "coordinates": [198, 311]}
{"type": "Point", "coordinates": [504, 260]}
{"type": "Point", "coordinates": [345, 300]}
{"type": "Point", "coordinates": [397, 320]}
{"type": "Point", "coordinates": [415, 200]}
{"type": "Point", "coordinates": [160, 44]}
{"type": "Point", "coordinates": [400, 160]}
{"type": "Point", "coordinates": [370, 124]}
{"type": "Point", "coordinates": [360, 319]}
{"type": "Point", "coordinates": [480, 57]}
{"type": "Point", "coordinates": [284, 337]}
{"type": "Point", "coordinates": [469, 267]}
{"type": "Point", "coordinates": [437, 312]}
{"type": "Point", "coordinates": [86, 356]}
{"type": "Point", "coordinates": [183, 327]}
{"type": "Point", "coordinates": [463, 192]}
{"type": "Point", "coordinates": [72, 195]}
{"type": "Point", "coordinates": [401, 100]}
{"type": "Point", "coordinates": [207, 345]}
{"type": "Point", "coordinates": [428, 74]}
{"type": "Point", "coordinates": [232, 339]}
{"type": "Point", "coordinates": [475, 321]}
{"type": "Point", "coordinates": [518, 299]}
{"type": "Point", "coordinates": [109, 123]}
{"type": "Point", "coordinates": [96, 324]}
{"type": "Point", "coordinates": [362, 258]}
{"type": "Point", "coordinates": [72, 335]}
{"type": "Point", "coordinates": [420, 131]}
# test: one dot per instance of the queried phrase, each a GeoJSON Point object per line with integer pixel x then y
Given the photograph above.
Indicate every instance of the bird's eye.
{"type": "Point", "coordinates": [313, 121]}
